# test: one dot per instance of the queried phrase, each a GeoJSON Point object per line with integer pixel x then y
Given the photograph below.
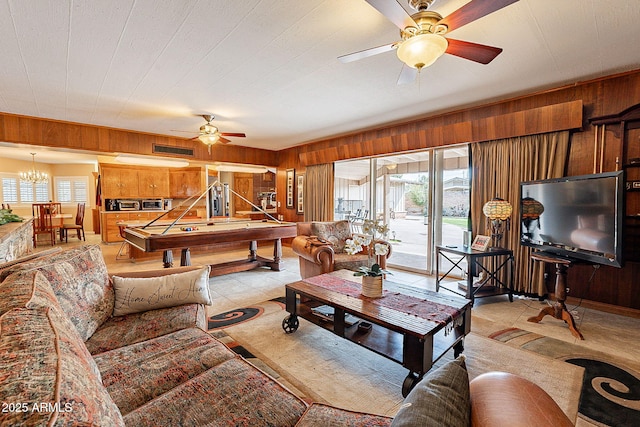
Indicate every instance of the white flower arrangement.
{"type": "Point", "coordinates": [367, 241]}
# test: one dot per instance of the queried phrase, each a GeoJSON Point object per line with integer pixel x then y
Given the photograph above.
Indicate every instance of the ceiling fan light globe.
{"type": "Point", "coordinates": [209, 139]}
{"type": "Point", "coordinates": [422, 50]}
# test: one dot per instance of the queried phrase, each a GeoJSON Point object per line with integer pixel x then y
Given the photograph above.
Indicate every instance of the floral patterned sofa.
{"type": "Point", "coordinates": [65, 359]}
{"type": "Point", "coordinates": [320, 247]}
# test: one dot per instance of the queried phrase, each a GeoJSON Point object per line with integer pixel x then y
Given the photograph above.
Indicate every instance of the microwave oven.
{"type": "Point", "coordinates": [128, 205]}
{"type": "Point", "coordinates": [151, 205]}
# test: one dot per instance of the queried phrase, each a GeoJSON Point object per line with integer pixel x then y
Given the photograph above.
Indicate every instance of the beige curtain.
{"type": "Point", "coordinates": [318, 193]}
{"type": "Point", "coordinates": [498, 167]}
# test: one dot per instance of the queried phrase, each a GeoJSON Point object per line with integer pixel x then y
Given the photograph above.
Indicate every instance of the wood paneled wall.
{"type": "Point", "coordinates": [53, 133]}
{"type": "Point", "coordinates": [567, 115]}
{"type": "Point", "coordinates": [611, 95]}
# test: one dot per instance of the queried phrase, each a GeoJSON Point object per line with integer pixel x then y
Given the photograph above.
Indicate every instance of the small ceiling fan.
{"type": "Point", "coordinates": [210, 134]}
{"type": "Point", "coordinates": [422, 34]}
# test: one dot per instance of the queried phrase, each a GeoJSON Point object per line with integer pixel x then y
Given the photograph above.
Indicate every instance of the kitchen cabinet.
{"type": "Point", "coordinates": [186, 182]}
{"type": "Point", "coordinates": [119, 182]}
{"type": "Point", "coordinates": [153, 183]}
{"type": "Point", "coordinates": [110, 229]}
{"type": "Point", "coordinates": [243, 185]}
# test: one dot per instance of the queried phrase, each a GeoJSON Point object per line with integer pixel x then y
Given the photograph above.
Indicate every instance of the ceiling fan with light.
{"type": "Point", "coordinates": [210, 134]}
{"type": "Point", "coordinates": [423, 38]}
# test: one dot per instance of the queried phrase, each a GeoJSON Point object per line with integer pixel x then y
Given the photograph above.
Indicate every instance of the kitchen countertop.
{"type": "Point", "coordinates": [9, 228]}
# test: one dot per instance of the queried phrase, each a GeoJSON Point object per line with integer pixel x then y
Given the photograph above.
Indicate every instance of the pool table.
{"type": "Point", "coordinates": [160, 236]}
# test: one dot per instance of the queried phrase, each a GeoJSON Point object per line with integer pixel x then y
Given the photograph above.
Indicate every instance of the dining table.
{"type": "Point", "coordinates": [48, 217]}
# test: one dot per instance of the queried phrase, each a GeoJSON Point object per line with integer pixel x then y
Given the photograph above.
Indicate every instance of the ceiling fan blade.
{"type": "Point", "coordinates": [239, 135]}
{"type": "Point", "coordinates": [367, 53]}
{"type": "Point", "coordinates": [473, 51]}
{"type": "Point", "coordinates": [407, 75]}
{"type": "Point", "coordinates": [394, 13]}
{"type": "Point", "coordinates": [223, 140]}
{"type": "Point", "coordinates": [471, 11]}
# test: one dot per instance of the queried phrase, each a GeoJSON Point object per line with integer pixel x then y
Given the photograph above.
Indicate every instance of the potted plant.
{"type": "Point", "coordinates": [372, 274]}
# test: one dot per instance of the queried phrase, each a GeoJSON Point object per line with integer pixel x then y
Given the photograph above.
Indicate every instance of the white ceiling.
{"type": "Point", "coordinates": [268, 67]}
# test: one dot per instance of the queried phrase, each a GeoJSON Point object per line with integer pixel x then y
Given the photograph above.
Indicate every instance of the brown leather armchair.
{"type": "Point", "coordinates": [320, 248]}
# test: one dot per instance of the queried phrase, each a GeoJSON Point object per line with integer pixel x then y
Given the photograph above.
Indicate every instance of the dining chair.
{"type": "Point", "coordinates": [43, 220]}
{"type": "Point", "coordinates": [78, 225]}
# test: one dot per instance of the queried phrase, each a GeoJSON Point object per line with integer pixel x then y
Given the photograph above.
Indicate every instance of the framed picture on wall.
{"type": "Point", "coordinates": [300, 205]}
{"type": "Point", "coordinates": [291, 173]}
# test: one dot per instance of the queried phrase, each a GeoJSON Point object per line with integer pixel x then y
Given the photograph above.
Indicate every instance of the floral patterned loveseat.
{"type": "Point", "coordinates": [66, 359]}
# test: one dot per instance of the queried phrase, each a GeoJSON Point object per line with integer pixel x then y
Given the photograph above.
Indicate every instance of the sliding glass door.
{"type": "Point", "coordinates": [422, 196]}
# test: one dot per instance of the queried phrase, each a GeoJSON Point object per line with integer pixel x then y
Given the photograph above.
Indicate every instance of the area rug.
{"type": "Point", "coordinates": [329, 369]}
{"type": "Point", "coordinates": [610, 392]}
{"type": "Point", "coordinates": [239, 349]}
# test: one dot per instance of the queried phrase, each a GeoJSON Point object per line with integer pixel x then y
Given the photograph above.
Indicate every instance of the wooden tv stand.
{"type": "Point", "coordinates": [559, 309]}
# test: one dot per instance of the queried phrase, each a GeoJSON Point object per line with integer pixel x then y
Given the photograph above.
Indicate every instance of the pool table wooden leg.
{"type": "Point", "coordinates": [253, 250]}
{"type": "Point", "coordinates": [185, 257]}
{"type": "Point", "coordinates": [167, 258]}
{"type": "Point", "coordinates": [277, 254]}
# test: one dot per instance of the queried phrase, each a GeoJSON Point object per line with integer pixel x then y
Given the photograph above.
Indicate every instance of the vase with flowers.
{"type": "Point", "coordinates": [372, 274]}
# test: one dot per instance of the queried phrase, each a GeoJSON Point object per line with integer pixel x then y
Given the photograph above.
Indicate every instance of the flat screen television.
{"type": "Point", "coordinates": [575, 217]}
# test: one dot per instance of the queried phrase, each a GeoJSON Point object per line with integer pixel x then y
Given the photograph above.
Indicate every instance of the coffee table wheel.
{"type": "Point", "coordinates": [290, 323]}
{"type": "Point", "coordinates": [458, 348]}
{"type": "Point", "coordinates": [409, 383]}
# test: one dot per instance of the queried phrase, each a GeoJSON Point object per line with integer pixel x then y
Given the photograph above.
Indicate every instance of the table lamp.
{"type": "Point", "coordinates": [498, 213]}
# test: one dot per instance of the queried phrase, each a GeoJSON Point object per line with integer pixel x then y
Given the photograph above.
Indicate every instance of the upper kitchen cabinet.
{"type": "Point", "coordinates": [186, 182]}
{"type": "Point", "coordinates": [118, 181]}
{"type": "Point", "coordinates": [153, 183]}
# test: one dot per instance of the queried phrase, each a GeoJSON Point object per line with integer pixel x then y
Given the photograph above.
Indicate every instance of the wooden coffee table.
{"type": "Point", "coordinates": [414, 327]}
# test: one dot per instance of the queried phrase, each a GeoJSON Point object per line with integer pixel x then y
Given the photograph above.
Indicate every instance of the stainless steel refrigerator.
{"type": "Point", "coordinates": [218, 198]}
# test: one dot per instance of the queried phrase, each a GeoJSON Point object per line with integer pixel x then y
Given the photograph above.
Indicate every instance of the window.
{"type": "Point", "coordinates": [14, 190]}
{"type": "Point", "coordinates": [71, 189]}
{"type": "Point", "coordinates": [9, 190]}
{"type": "Point", "coordinates": [422, 196]}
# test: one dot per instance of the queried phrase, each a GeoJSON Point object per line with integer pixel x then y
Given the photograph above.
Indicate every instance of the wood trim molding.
{"type": "Point", "coordinates": [550, 118]}
{"type": "Point", "coordinates": [601, 306]}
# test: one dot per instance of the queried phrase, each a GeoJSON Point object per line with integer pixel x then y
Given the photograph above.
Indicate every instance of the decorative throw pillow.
{"type": "Point", "coordinates": [48, 375]}
{"type": "Point", "coordinates": [31, 290]}
{"type": "Point", "coordinates": [440, 399]}
{"type": "Point", "coordinates": [335, 233]}
{"type": "Point", "coordinates": [137, 294]}
{"type": "Point", "coordinates": [80, 280]}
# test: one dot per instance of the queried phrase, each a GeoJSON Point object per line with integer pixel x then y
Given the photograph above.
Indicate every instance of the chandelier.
{"type": "Point", "coordinates": [34, 176]}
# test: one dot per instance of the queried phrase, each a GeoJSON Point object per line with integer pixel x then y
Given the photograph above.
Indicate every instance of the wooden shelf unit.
{"type": "Point", "coordinates": [626, 126]}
